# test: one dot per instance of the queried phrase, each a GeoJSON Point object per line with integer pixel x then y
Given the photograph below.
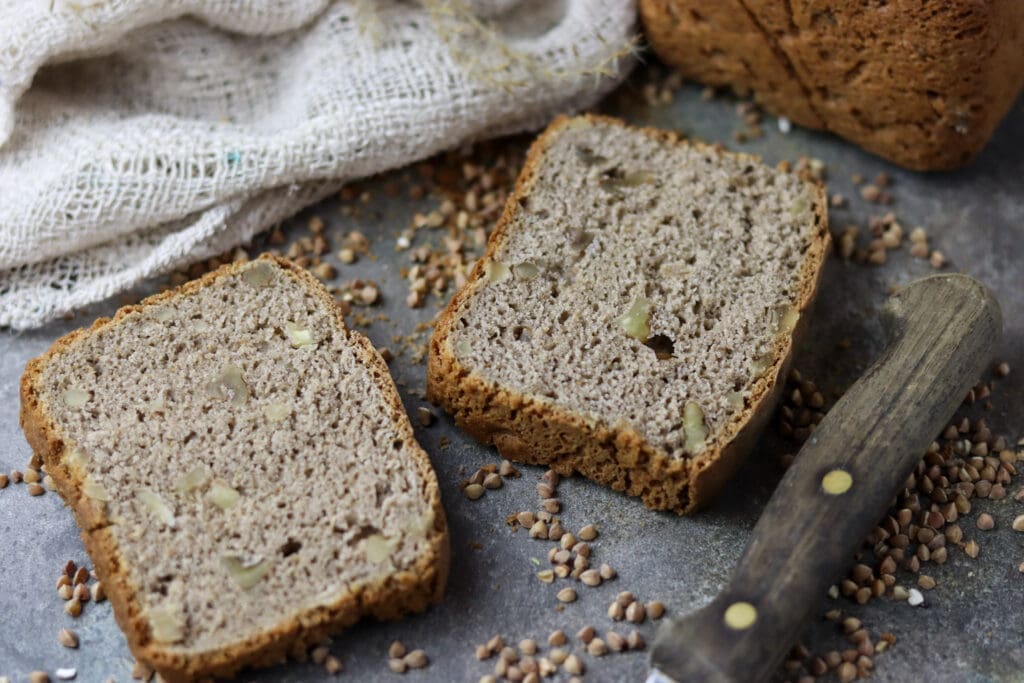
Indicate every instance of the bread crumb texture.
{"type": "Point", "coordinates": [241, 467]}
{"type": "Point", "coordinates": [634, 307]}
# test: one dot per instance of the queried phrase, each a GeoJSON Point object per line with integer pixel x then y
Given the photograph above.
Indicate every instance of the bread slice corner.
{"type": "Point", "coordinates": [242, 470]}
{"type": "Point", "coordinates": [634, 314]}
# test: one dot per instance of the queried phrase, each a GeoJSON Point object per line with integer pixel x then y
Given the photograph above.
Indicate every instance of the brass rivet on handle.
{"type": "Point", "coordinates": [836, 482]}
{"type": "Point", "coordinates": [740, 615]}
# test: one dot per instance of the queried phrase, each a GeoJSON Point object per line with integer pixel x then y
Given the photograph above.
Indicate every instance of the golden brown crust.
{"type": "Point", "coordinates": [533, 430]}
{"type": "Point", "coordinates": [921, 84]}
{"type": "Point", "coordinates": [385, 599]}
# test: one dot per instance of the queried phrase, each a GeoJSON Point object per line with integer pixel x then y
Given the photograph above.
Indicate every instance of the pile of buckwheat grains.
{"type": "Point", "coordinates": [930, 520]}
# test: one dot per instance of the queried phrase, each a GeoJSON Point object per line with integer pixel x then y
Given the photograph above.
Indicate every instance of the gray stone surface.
{"type": "Point", "coordinates": [972, 628]}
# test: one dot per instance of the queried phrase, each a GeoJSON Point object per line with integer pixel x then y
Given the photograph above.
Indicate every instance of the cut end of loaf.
{"type": "Point", "coordinates": [242, 469]}
{"type": "Point", "coordinates": [635, 305]}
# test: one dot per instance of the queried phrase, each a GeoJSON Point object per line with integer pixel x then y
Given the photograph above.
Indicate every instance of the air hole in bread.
{"type": "Point", "coordinates": [662, 346]}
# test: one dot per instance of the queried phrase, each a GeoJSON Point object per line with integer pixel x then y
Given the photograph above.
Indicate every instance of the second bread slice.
{"type": "Point", "coordinates": [635, 310]}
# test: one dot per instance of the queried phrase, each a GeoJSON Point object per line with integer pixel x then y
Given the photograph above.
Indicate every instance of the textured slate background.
{"type": "Point", "coordinates": [972, 629]}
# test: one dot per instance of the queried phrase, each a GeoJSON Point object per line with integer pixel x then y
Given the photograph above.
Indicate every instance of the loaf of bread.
{"type": "Point", "coordinates": [243, 472]}
{"type": "Point", "coordinates": [634, 311]}
{"type": "Point", "coordinates": [922, 84]}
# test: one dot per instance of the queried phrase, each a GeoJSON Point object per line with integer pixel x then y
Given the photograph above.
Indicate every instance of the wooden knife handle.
{"type": "Point", "coordinates": [945, 331]}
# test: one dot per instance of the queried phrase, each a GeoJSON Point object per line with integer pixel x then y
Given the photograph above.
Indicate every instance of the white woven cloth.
{"type": "Point", "coordinates": [140, 135]}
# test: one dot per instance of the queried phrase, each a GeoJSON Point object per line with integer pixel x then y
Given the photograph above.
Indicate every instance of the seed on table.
{"type": "Point", "coordinates": [68, 638]}
{"type": "Point", "coordinates": [526, 519]}
{"type": "Point", "coordinates": [99, 593]}
{"type": "Point", "coordinates": [591, 577]}
{"type": "Point", "coordinates": [417, 659]}
{"type": "Point", "coordinates": [319, 654]}
{"type": "Point", "coordinates": [847, 672]}
{"type": "Point", "coordinates": [861, 573]}
{"type": "Point", "coordinates": [546, 575]}
{"type": "Point", "coordinates": [65, 592]}
{"type": "Point", "coordinates": [985, 521]}
{"type": "Point", "coordinates": [562, 571]}
{"type": "Point", "coordinates": [851, 624]}
{"type": "Point", "coordinates": [81, 593]}
{"type": "Point", "coordinates": [586, 634]}
{"type": "Point", "coordinates": [507, 469]}
{"type": "Point", "coordinates": [616, 643]}
{"type": "Point", "coordinates": [528, 646]}
{"type": "Point", "coordinates": [500, 668]}
{"type": "Point", "coordinates": [616, 611]}
{"type": "Point", "coordinates": [580, 563]}
{"type": "Point", "coordinates": [558, 656]}
{"type": "Point", "coordinates": [333, 665]}
{"type": "Point", "coordinates": [544, 516]}
{"type": "Point", "coordinates": [39, 677]}
{"type": "Point", "coordinates": [539, 530]}
{"type": "Point", "coordinates": [63, 581]}
{"type": "Point", "coordinates": [1002, 370]}
{"type": "Point", "coordinates": [656, 609]}
{"type": "Point", "coordinates": [636, 612]}
{"type": "Point", "coordinates": [509, 654]}
{"type": "Point", "coordinates": [4, 480]}
{"type": "Point", "coordinates": [545, 667]}
{"type": "Point", "coordinates": [488, 678]}
{"type": "Point", "coordinates": [492, 481]}
{"type": "Point", "coordinates": [35, 490]}
{"type": "Point", "coordinates": [597, 647]}
{"type": "Point", "coordinates": [1018, 523]}
{"type": "Point", "coordinates": [556, 531]}
{"type": "Point", "coordinates": [73, 607]}
{"type": "Point", "coordinates": [551, 505]}
{"type": "Point", "coordinates": [473, 491]}
{"type": "Point", "coordinates": [557, 638]}
{"type": "Point", "coordinates": [31, 476]}
{"type": "Point", "coordinates": [573, 665]}
{"type": "Point", "coordinates": [562, 556]}
{"type": "Point", "coordinates": [495, 644]}
{"type": "Point", "coordinates": [397, 665]}
{"type": "Point", "coordinates": [635, 640]}
{"type": "Point", "coordinates": [551, 477]}
{"type": "Point", "coordinates": [567, 541]}
{"type": "Point", "coordinates": [396, 650]}
{"type": "Point", "coordinates": [545, 490]}
{"type": "Point", "coordinates": [863, 595]}
{"type": "Point", "coordinates": [606, 572]}
{"type": "Point", "coordinates": [588, 533]}
{"type": "Point", "coordinates": [567, 595]}
{"type": "Point", "coordinates": [926, 582]}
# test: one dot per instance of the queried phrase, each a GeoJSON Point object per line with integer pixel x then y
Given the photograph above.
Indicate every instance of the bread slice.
{"type": "Point", "coordinates": [634, 311]}
{"type": "Point", "coordinates": [243, 472]}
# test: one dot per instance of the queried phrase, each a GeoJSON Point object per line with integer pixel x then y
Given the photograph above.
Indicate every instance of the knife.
{"type": "Point", "coordinates": [943, 331]}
